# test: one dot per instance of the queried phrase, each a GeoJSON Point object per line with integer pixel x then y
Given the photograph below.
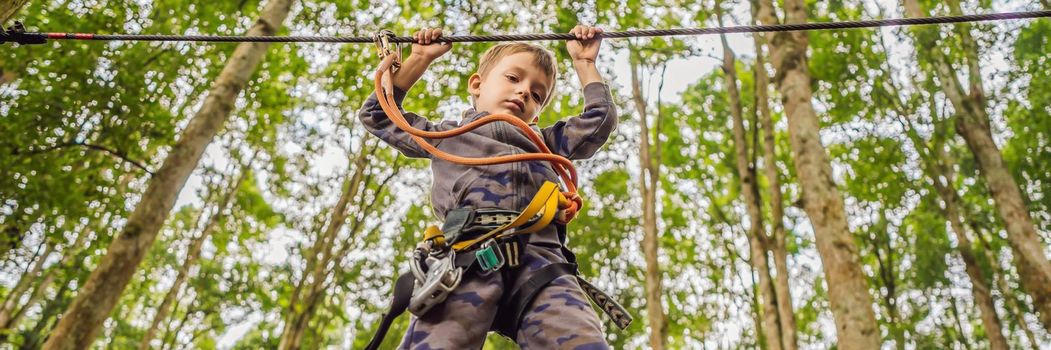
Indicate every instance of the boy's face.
{"type": "Point", "coordinates": [515, 86]}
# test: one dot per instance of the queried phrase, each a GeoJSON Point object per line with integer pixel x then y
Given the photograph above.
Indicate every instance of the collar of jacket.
{"type": "Point", "coordinates": [471, 115]}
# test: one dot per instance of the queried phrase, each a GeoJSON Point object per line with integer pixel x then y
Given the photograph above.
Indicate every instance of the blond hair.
{"type": "Point", "coordinates": [545, 60]}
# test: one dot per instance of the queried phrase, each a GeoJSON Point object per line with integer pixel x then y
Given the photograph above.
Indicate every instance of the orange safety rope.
{"type": "Point", "coordinates": [564, 167]}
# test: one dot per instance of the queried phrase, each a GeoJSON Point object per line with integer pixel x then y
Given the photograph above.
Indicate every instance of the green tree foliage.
{"type": "Point", "coordinates": [1029, 117]}
{"type": "Point", "coordinates": [85, 123]}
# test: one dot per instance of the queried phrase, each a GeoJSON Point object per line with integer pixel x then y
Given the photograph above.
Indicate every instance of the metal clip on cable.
{"type": "Point", "coordinates": [383, 40]}
{"type": "Point", "coordinates": [17, 34]}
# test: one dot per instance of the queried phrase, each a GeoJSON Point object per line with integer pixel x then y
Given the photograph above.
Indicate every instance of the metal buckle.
{"type": "Point", "coordinates": [489, 256]}
{"type": "Point", "coordinates": [441, 279]}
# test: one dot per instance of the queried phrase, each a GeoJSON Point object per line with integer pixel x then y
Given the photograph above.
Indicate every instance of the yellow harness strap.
{"type": "Point", "coordinates": [545, 203]}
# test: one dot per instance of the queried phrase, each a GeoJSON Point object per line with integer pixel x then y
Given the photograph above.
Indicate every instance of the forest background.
{"type": "Point", "coordinates": [855, 189]}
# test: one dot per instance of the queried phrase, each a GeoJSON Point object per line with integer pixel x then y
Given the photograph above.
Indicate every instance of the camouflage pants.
{"type": "Point", "coordinates": [560, 317]}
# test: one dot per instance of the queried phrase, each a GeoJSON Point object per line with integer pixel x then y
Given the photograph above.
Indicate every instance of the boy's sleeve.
{"type": "Point", "coordinates": [377, 123]}
{"type": "Point", "coordinates": [581, 136]}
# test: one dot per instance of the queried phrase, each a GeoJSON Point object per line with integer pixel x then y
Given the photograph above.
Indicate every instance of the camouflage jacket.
{"type": "Point", "coordinates": [505, 186]}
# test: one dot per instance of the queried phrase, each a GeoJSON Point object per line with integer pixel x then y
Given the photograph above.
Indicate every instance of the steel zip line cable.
{"type": "Point", "coordinates": [18, 34]}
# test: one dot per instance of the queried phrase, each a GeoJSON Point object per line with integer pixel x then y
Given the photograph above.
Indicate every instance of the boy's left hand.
{"type": "Point", "coordinates": [424, 45]}
{"type": "Point", "coordinates": [585, 48]}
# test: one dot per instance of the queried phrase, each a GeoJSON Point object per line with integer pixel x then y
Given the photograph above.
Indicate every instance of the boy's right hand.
{"type": "Point", "coordinates": [424, 45]}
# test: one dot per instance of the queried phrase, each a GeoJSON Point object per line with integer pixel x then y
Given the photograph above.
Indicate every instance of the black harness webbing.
{"type": "Point", "coordinates": [523, 296]}
{"type": "Point", "coordinates": [402, 294]}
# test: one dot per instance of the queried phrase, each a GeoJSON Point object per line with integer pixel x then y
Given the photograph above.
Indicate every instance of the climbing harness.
{"type": "Point", "coordinates": [39, 38]}
{"type": "Point", "coordinates": [494, 239]}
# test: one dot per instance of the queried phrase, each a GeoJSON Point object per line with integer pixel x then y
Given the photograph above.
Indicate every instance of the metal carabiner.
{"type": "Point", "coordinates": [386, 47]}
{"type": "Point", "coordinates": [388, 51]}
{"type": "Point", "coordinates": [418, 263]}
{"type": "Point", "coordinates": [441, 278]}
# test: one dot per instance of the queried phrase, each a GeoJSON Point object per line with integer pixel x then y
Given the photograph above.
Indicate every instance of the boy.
{"type": "Point", "coordinates": [516, 79]}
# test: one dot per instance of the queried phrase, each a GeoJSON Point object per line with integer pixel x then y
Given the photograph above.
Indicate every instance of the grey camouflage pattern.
{"type": "Point", "coordinates": [506, 186]}
{"type": "Point", "coordinates": [561, 317]}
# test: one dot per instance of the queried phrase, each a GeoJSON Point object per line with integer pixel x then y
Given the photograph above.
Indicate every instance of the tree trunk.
{"type": "Point", "coordinates": [955, 312]}
{"type": "Point", "coordinates": [193, 252]}
{"type": "Point", "coordinates": [8, 9]}
{"type": "Point", "coordinates": [70, 254]}
{"type": "Point", "coordinates": [972, 123]}
{"type": "Point", "coordinates": [937, 166]}
{"type": "Point", "coordinates": [884, 253]}
{"type": "Point", "coordinates": [34, 338]}
{"type": "Point", "coordinates": [1000, 277]}
{"type": "Point", "coordinates": [728, 288]}
{"type": "Point", "coordinates": [1033, 265]}
{"type": "Point", "coordinates": [648, 180]}
{"type": "Point", "coordinates": [768, 311]}
{"type": "Point", "coordinates": [980, 290]}
{"type": "Point", "coordinates": [334, 261]}
{"type": "Point", "coordinates": [34, 297]}
{"type": "Point", "coordinates": [851, 303]}
{"type": "Point", "coordinates": [7, 311]}
{"type": "Point", "coordinates": [938, 173]}
{"type": "Point", "coordinates": [10, 313]}
{"type": "Point", "coordinates": [786, 314]}
{"type": "Point", "coordinates": [81, 322]}
{"type": "Point", "coordinates": [306, 293]}
{"type": "Point", "coordinates": [172, 335]}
